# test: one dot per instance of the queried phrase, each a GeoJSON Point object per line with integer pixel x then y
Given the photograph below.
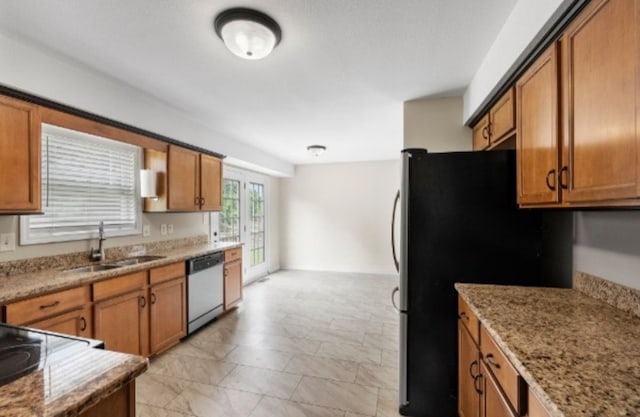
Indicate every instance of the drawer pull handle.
{"type": "Point", "coordinates": [564, 184]}
{"type": "Point", "coordinates": [491, 362]}
{"type": "Point", "coordinates": [463, 315]}
{"type": "Point", "coordinates": [153, 298]}
{"type": "Point", "coordinates": [46, 306]}
{"type": "Point", "coordinates": [477, 379]}
{"type": "Point", "coordinates": [474, 363]}
{"type": "Point", "coordinates": [551, 175]}
{"type": "Point", "coordinates": [143, 302]}
{"type": "Point", "coordinates": [83, 324]}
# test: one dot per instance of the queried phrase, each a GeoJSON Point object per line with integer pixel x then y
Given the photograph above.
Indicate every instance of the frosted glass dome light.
{"type": "Point", "coordinates": [248, 33]}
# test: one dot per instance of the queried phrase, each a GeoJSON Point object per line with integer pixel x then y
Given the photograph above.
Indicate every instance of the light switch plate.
{"type": "Point", "coordinates": [163, 229]}
{"type": "Point", "coordinates": [7, 242]}
{"type": "Point", "coordinates": [146, 230]}
{"type": "Point", "coordinates": [170, 228]}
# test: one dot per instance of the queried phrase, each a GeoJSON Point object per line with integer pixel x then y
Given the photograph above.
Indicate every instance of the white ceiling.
{"type": "Point", "coordinates": [338, 78]}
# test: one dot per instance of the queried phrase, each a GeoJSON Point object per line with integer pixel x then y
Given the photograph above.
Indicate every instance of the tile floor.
{"type": "Point", "coordinates": [302, 344]}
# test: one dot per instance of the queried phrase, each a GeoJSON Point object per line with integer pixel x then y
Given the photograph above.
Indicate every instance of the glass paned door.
{"type": "Point", "coordinates": [256, 223]}
{"type": "Point", "coordinates": [229, 220]}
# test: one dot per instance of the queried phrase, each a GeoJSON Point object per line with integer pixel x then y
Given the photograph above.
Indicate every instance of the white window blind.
{"type": "Point", "coordinates": [85, 179]}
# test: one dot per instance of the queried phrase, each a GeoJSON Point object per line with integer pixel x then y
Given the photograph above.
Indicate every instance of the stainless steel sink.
{"type": "Point", "coordinates": [93, 268]}
{"type": "Point", "coordinates": [138, 260]}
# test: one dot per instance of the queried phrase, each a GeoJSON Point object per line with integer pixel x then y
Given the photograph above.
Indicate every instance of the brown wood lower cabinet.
{"type": "Point", "coordinates": [75, 323]}
{"type": "Point", "coordinates": [121, 403]}
{"type": "Point", "coordinates": [168, 321]}
{"type": "Point", "coordinates": [468, 375]}
{"type": "Point", "coordinates": [232, 284]}
{"type": "Point", "coordinates": [122, 322]}
{"type": "Point", "coordinates": [494, 404]}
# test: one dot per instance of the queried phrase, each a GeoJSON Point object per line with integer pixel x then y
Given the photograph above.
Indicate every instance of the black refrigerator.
{"type": "Point", "coordinates": [459, 222]}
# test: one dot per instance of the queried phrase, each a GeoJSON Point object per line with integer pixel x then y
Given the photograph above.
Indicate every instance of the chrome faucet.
{"type": "Point", "coordinates": [97, 255]}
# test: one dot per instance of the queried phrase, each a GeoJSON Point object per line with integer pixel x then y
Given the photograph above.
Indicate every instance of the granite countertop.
{"type": "Point", "coordinates": [70, 384]}
{"type": "Point", "coordinates": [21, 286]}
{"type": "Point", "coordinates": [580, 356]}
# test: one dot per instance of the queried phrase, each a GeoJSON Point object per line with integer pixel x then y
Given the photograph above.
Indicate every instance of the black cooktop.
{"type": "Point", "coordinates": [24, 350]}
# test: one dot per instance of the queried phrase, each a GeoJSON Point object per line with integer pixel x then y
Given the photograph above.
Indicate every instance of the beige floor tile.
{"type": "Point", "coordinates": [229, 336]}
{"type": "Point", "coordinates": [202, 348]}
{"type": "Point", "coordinates": [390, 358]}
{"type": "Point", "coordinates": [275, 407]}
{"type": "Point", "coordinates": [367, 326]}
{"type": "Point", "coordinates": [377, 376]}
{"type": "Point", "coordinates": [206, 371]}
{"type": "Point", "coordinates": [349, 414]}
{"type": "Point", "coordinates": [322, 367]}
{"type": "Point", "coordinates": [260, 358]}
{"type": "Point", "coordinates": [388, 403]}
{"type": "Point", "coordinates": [381, 341]}
{"type": "Point", "coordinates": [346, 351]}
{"type": "Point", "coordinates": [290, 344]}
{"type": "Point", "coordinates": [336, 335]}
{"type": "Point", "coordinates": [208, 401]}
{"type": "Point", "coordinates": [157, 390]}
{"type": "Point", "coordinates": [144, 410]}
{"type": "Point", "coordinates": [341, 395]}
{"type": "Point", "coordinates": [262, 381]}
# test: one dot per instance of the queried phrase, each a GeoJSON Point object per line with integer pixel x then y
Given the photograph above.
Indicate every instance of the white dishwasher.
{"type": "Point", "coordinates": [205, 289]}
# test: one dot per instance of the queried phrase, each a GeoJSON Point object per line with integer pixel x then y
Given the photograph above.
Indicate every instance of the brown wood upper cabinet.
{"type": "Point", "coordinates": [592, 156]}
{"type": "Point", "coordinates": [19, 156]}
{"type": "Point", "coordinates": [497, 125]}
{"type": "Point", "coordinates": [194, 181]}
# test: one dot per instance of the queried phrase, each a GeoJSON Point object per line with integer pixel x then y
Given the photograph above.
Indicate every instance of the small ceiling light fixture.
{"type": "Point", "coordinates": [247, 33]}
{"type": "Point", "coordinates": [316, 150]}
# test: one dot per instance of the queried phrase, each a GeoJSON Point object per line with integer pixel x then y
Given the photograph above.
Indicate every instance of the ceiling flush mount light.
{"type": "Point", "coordinates": [247, 33]}
{"type": "Point", "coordinates": [316, 150]}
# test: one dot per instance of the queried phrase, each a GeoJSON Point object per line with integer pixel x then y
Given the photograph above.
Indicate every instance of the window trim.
{"type": "Point", "coordinates": [25, 236]}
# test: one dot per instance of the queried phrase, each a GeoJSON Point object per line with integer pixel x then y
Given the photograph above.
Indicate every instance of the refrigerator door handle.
{"type": "Point", "coordinates": [393, 232]}
{"type": "Point", "coordinates": [393, 298]}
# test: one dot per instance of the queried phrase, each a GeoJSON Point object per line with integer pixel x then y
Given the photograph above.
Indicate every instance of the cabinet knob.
{"type": "Point", "coordinates": [463, 316]}
{"type": "Point", "coordinates": [551, 175]}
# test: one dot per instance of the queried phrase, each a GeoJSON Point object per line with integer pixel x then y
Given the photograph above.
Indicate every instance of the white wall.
{"type": "Point", "coordinates": [184, 225]}
{"type": "Point", "coordinates": [528, 21]}
{"type": "Point", "coordinates": [436, 124]}
{"type": "Point", "coordinates": [607, 245]}
{"type": "Point", "coordinates": [337, 217]}
{"type": "Point", "coordinates": [43, 74]}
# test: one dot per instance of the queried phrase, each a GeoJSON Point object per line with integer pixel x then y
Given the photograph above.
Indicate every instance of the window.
{"type": "Point", "coordinates": [256, 221]}
{"type": "Point", "coordinates": [230, 215]}
{"type": "Point", "coordinates": [85, 179]}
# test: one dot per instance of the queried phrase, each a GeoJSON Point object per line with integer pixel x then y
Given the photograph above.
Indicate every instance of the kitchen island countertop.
{"type": "Point", "coordinates": [22, 286]}
{"type": "Point", "coordinates": [580, 356]}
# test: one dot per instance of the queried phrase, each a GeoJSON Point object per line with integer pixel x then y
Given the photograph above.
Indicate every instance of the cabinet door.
{"type": "Point", "coordinates": [601, 91]}
{"type": "Point", "coordinates": [168, 314]}
{"type": "Point", "coordinates": [210, 182]}
{"type": "Point", "coordinates": [122, 323]}
{"type": "Point", "coordinates": [494, 403]}
{"type": "Point", "coordinates": [232, 284]}
{"type": "Point", "coordinates": [74, 323]}
{"type": "Point", "coordinates": [468, 369]}
{"type": "Point", "coordinates": [183, 179]}
{"type": "Point", "coordinates": [481, 134]}
{"type": "Point", "coordinates": [537, 131]}
{"type": "Point", "coordinates": [19, 156]}
{"type": "Point", "coordinates": [502, 118]}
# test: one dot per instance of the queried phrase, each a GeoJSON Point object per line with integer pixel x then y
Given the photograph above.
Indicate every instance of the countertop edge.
{"type": "Point", "coordinates": [75, 280]}
{"type": "Point", "coordinates": [533, 385]}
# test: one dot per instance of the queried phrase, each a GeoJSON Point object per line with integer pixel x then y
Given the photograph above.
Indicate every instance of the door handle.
{"type": "Point", "coordinates": [393, 231]}
{"type": "Point", "coordinates": [393, 298]}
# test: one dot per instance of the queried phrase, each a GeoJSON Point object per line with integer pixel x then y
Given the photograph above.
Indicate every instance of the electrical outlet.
{"type": "Point", "coordinates": [146, 230]}
{"type": "Point", "coordinates": [163, 229]}
{"type": "Point", "coordinates": [7, 242]}
{"type": "Point", "coordinates": [205, 218]}
{"type": "Point", "coordinates": [170, 228]}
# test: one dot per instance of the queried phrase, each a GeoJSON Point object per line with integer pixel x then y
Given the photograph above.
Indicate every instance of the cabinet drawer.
{"type": "Point", "coordinates": [505, 374]}
{"type": "Point", "coordinates": [232, 254]}
{"type": "Point", "coordinates": [119, 285]}
{"type": "Point", "coordinates": [38, 308]}
{"type": "Point", "coordinates": [469, 319]}
{"type": "Point", "coordinates": [166, 273]}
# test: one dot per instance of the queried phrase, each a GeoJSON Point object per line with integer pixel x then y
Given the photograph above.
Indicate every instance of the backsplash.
{"type": "Point", "coordinates": [23, 266]}
{"type": "Point", "coordinates": [616, 295]}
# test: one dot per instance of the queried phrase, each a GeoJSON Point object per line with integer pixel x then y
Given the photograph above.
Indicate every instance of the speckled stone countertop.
{"type": "Point", "coordinates": [17, 287]}
{"type": "Point", "coordinates": [69, 384]}
{"type": "Point", "coordinates": [580, 356]}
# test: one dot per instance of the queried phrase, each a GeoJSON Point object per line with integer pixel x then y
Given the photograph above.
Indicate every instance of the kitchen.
{"type": "Point", "coordinates": [307, 230]}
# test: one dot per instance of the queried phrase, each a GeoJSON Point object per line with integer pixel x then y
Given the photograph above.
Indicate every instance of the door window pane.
{"type": "Point", "coordinates": [256, 223]}
{"type": "Point", "coordinates": [229, 219]}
